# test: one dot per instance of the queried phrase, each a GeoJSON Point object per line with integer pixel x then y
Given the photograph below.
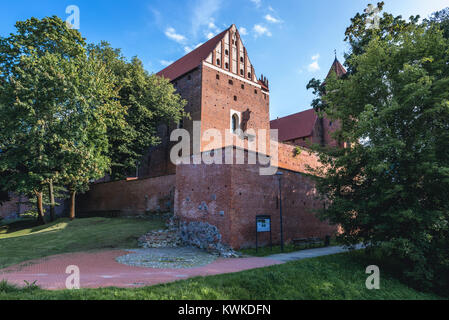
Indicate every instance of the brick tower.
{"type": "Point", "coordinates": [219, 83]}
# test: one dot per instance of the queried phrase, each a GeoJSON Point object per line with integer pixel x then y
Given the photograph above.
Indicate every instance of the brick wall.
{"type": "Point", "coordinates": [203, 193]}
{"type": "Point", "coordinates": [230, 197]}
{"type": "Point", "coordinates": [129, 197]}
{"type": "Point", "coordinates": [299, 163]}
{"type": "Point", "coordinates": [157, 160]}
{"type": "Point", "coordinates": [219, 97]}
{"type": "Point", "coordinates": [321, 134]}
{"type": "Point", "coordinates": [15, 206]}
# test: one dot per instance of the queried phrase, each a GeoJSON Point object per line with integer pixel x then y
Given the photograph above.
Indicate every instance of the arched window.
{"type": "Point", "coordinates": [235, 122]}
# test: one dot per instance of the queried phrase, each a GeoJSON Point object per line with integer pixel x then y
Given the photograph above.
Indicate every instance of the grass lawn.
{"type": "Point", "coordinates": [339, 276]}
{"type": "Point", "coordinates": [64, 236]}
{"type": "Point", "coordinates": [332, 277]}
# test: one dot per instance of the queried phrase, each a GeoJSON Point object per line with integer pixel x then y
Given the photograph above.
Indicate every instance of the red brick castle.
{"type": "Point", "coordinates": [221, 88]}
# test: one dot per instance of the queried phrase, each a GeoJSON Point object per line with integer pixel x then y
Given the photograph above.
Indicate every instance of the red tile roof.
{"type": "Point", "coordinates": [338, 68]}
{"type": "Point", "coordinates": [298, 125]}
{"type": "Point", "coordinates": [192, 59]}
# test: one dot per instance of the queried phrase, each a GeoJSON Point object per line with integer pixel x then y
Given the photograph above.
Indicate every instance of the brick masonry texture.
{"type": "Point", "coordinates": [15, 206]}
{"type": "Point", "coordinates": [157, 161]}
{"type": "Point", "coordinates": [300, 163]}
{"type": "Point", "coordinates": [230, 196]}
{"type": "Point", "coordinates": [219, 97]}
{"type": "Point", "coordinates": [129, 197]}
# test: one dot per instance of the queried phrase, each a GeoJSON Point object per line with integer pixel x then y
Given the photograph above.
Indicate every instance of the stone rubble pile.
{"type": "Point", "coordinates": [195, 234]}
{"type": "Point", "coordinates": [207, 237]}
{"type": "Point", "coordinates": [160, 239]}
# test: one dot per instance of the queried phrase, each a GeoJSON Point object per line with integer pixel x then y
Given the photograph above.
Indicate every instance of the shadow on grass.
{"type": "Point", "coordinates": [65, 236]}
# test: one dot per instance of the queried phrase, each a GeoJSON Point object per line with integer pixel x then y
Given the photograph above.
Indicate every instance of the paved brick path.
{"type": "Point", "coordinates": [310, 253]}
{"type": "Point", "coordinates": [99, 269]}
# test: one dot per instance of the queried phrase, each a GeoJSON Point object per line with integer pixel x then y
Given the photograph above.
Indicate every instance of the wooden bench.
{"type": "Point", "coordinates": [310, 242]}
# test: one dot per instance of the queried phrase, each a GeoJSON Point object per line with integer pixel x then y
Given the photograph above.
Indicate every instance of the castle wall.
{"type": "Point", "coordinates": [287, 159]}
{"type": "Point", "coordinates": [15, 206]}
{"type": "Point", "coordinates": [203, 194]}
{"type": "Point", "coordinates": [220, 98]}
{"type": "Point", "coordinates": [157, 160]}
{"type": "Point", "coordinates": [128, 197]}
{"type": "Point", "coordinates": [230, 196]}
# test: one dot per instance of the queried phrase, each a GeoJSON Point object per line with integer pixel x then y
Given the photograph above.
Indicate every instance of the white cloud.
{"type": "Point", "coordinates": [171, 33]}
{"type": "Point", "coordinates": [203, 13]}
{"type": "Point", "coordinates": [211, 29]}
{"type": "Point", "coordinates": [261, 30]}
{"type": "Point", "coordinates": [165, 63]}
{"type": "Point", "coordinates": [243, 31]}
{"type": "Point", "coordinates": [272, 19]}
{"type": "Point", "coordinates": [212, 25]}
{"type": "Point", "coordinates": [314, 66]}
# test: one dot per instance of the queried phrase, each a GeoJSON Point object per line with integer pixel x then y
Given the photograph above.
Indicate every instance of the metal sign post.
{"type": "Point", "coordinates": [263, 224]}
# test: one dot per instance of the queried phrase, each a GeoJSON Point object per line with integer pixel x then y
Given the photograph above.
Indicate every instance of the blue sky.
{"type": "Point", "coordinates": [289, 41]}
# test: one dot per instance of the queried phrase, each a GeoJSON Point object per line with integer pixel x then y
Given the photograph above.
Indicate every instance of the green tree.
{"type": "Point", "coordinates": [441, 19]}
{"type": "Point", "coordinates": [150, 101]}
{"type": "Point", "coordinates": [56, 103]}
{"type": "Point", "coordinates": [389, 188]}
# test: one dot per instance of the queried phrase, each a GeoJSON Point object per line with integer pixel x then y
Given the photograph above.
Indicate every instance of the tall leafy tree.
{"type": "Point", "coordinates": [56, 102]}
{"type": "Point", "coordinates": [389, 188]}
{"type": "Point", "coordinates": [441, 19]}
{"type": "Point", "coordinates": [150, 101]}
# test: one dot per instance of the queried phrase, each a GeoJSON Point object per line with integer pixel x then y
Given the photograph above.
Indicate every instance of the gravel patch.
{"type": "Point", "coordinates": [167, 258]}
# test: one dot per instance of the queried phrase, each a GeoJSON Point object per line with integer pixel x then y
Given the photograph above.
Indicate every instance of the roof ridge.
{"type": "Point", "coordinates": [192, 59]}
{"type": "Point", "coordinates": [296, 125]}
{"type": "Point", "coordinates": [294, 114]}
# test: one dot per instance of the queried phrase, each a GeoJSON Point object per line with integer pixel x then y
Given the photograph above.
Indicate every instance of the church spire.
{"type": "Point", "coordinates": [337, 67]}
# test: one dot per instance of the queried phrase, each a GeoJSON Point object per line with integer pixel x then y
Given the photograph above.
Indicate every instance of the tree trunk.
{"type": "Point", "coordinates": [52, 200]}
{"type": "Point", "coordinates": [72, 204]}
{"type": "Point", "coordinates": [40, 208]}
